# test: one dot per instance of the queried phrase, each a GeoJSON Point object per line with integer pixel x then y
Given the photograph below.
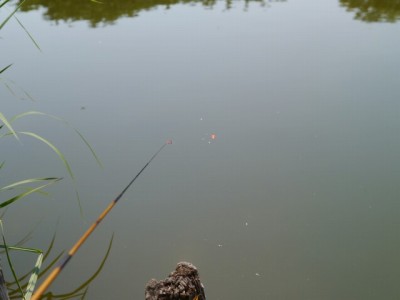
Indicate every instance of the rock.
{"type": "Point", "coordinates": [182, 284]}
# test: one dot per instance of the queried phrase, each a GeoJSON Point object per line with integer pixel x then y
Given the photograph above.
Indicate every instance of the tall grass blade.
{"type": "Point", "coordinates": [9, 260]}
{"type": "Point", "coordinates": [48, 250]}
{"type": "Point", "coordinates": [84, 285]}
{"type": "Point", "coordinates": [26, 181]}
{"type": "Point", "coordinates": [27, 32]}
{"type": "Point", "coordinates": [3, 288]}
{"type": "Point", "coordinates": [8, 125]}
{"type": "Point", "coordinates": [9, 89]}
{"type": "Point", "coordinates": [33, 112]}
{"type": "Point", "coordinates": [1, 164]}
{"type": "Point", "coordinates": [4, 69]}
{"type": "Point", "coordinates": [29, 113]}
{"type": "Point", "coordinates": [47, 253]}
{"type": "Point", "coordinates": [9, 17]}
{"type": "Point", "coordinates": [31, 250]}
{"type": "Point", "coordinates": [54, 148]}
{"type": "Point", "coordinates": [28, 95]}
{"type": "Point", "coordinates": [34, 277]}
{"type": "Point", "coordinates": [90, 148]}
{"type": "Point", "coordinates": [25, 95]}
{"type": "Point", "coordinates": [84, 294]}
{"type": "Point", "coordinates": [24, 239]}
{"type": "Point", "coordinates": [22, 195]}
{"type": "Point", "coordinates": [40, 274]}
{"type": "Point", "coordinates": [4, 3]}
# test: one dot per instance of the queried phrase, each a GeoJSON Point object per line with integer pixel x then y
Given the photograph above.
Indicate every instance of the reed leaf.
{"type": "Point", "coordinates": [24, 239]}
{"type": "Point", "coordinates": [22, 195]}
{"type": "Point", "coordinates": [13, 13]}
{"type": "Point", "coordinates": [33, 112]}
{"type": "Point", "coordinates": [84, 293]}
{"type": "Point", "coordinates": [29, 113]}
{"type": "Point", "coordinates": [8, 125]}
{"type": "Point", "coordinates": [4, 3]}
{"type": "Point", "coordinates": [50, 247]}
{"type": "Point", "coordinates": [90, 148]}
{"type": "Point", "coordinates": [54, 148]}
{"type": "Point", "coordinates": [9, 260]}
{"type": "Point", "coordinates": [24, 95]}
{"type": "Point", "coordinates": [27, 32]}
{"type": "Point", "coordinates": [84, 285]}
{"type": "Point", "coordinates": [17, 248]}
{"type": "Point", "coordinates": [26, 181]}
{"type": "Point", "coordinates": [34, 277]}
{"type": "Point", "coordinates": [46, 269]}
{"type": "Point", "coordinates": [8, 87]}
{"type": "Point", "coordinates": [28, 95]}
{"type": "Point", "coordinates": [4, 69]}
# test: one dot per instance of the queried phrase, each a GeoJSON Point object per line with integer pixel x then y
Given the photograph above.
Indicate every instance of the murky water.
{"type": "Point", "coordinates": [296, 196]}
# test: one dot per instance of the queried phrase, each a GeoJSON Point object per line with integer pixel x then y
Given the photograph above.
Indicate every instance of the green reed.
{"type": "Point", "coordinates": [23, 285]}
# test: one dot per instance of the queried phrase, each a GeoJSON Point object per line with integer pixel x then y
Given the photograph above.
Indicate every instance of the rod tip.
{"type": "Point", "coordinates": [169, 142]}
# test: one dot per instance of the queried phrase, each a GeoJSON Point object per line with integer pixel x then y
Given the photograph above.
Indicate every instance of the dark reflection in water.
{"type": "Point", "coordinates": [107, 12]}
{"type": "Point", "coordinates": [374, 10]}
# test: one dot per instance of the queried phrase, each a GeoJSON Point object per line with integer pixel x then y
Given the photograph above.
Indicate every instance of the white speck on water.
{"type": "Point", "coordinates": [258, 274]}
{"type": "Point", "coordinates": [246, 224]}
{"type": "Point", "coordinates": [219, 245]}
{"type": "Point", "coordinates": [201, 119]}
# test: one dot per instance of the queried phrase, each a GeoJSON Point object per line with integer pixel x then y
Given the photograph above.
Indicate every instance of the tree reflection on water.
{"type": "Point", "coordinates": [108, 11]}
{"type": "Point", "coordinates": [374, 10]}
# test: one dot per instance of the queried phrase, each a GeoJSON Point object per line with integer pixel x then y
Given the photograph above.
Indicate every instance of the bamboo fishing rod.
{"type": "Point", "coordinates": [53, 275]}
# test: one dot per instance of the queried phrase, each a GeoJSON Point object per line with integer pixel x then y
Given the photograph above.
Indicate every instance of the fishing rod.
{"type": "Point", "coordinates": [53, 275]}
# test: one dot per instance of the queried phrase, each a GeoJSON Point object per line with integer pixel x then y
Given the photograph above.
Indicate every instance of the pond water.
{"type": "Point", "coordinates": [282, 181]}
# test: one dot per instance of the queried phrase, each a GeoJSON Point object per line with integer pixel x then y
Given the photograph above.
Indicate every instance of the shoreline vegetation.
{"type": "Point", "coordinates": [22, 286]}
{"type": "Point", "coordinates": [100, 13]}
